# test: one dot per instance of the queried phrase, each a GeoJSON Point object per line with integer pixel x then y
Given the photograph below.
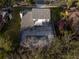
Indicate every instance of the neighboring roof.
{"type": "Point", "coordinates": [37, 37]}
{"type": "Point", "coordinates": [38, 31]}
{"type": "Point", "coordinates": [45, 30]}
{"type": "Point", "coordinates": [38, 13]}
{"type": "Point", "coordinates": [43, 1]}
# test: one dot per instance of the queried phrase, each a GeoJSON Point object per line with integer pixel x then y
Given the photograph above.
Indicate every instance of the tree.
{"type": "Point", "coordinates": [29, 1]}
{"type": "Point", "coordinates": [1, 3]}
{"type": "Point", "coordinates": [5, 3]}
{"type": "Point", "coordinates": [69, 3]}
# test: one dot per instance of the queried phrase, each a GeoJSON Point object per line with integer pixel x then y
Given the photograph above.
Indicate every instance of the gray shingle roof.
{"type": "Point", "coordinates": [40, 13]}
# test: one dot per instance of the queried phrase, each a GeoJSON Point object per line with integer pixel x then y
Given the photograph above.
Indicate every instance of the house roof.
{"type": "Point", "coordinates": [38, 13]}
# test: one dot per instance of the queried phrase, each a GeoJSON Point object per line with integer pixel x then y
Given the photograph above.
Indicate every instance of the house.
{"type": "Point", "coordinates": [37, 37]}
{"type": "Point", "coordinates": [36, 28]}
{"type": "Point", "coordinates": [34, 17]}
{"type": "Point", "coordinates": [40, 16]}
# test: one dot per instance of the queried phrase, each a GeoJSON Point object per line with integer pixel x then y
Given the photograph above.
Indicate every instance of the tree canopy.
{"type": "Point", "coordinates": [4, 3]}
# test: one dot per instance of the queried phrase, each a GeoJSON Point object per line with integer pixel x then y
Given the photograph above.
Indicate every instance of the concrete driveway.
{"type": "Point", "coordinates": [27, 20]}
